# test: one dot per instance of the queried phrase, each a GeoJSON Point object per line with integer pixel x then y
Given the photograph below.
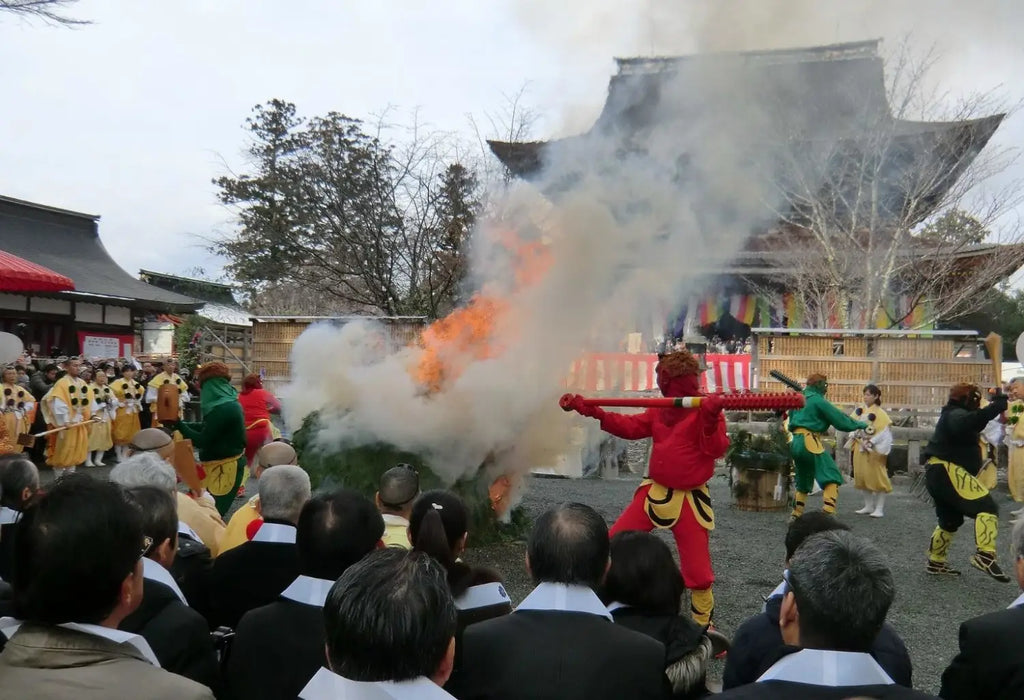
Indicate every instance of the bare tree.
{"type": "Point", "coordinates": [854, 206]}
{"type": "Point", "coordinates": [514, 122]}
{"type": "Point", "coordinates": [50, 11]}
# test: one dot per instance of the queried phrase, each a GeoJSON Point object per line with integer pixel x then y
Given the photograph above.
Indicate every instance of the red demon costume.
{"type": "Point", "coordinates": [686, 443]}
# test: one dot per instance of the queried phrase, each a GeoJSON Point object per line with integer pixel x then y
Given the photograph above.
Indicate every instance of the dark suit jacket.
{"type": "Point", "coordinates": [177, 634]}
{"type": "Point", "coordinates": [682, 638]}
{"type": "Point", "coordinates": [757, 644]}
{"type": "Point", "coordinates": [541, 654]}
{"type": "Point", "coordinates": [277, 649]}
{"type": "Point", "coordinates": [990, 664]}
{"type": "Point", "coordinates": [192, 570]}
{"type": "Point", "coordinates": [7, 535]}
{"type": "Point", "coordinates": [249, 576]}
{"type": "Point", "coordinates": [786, 690]}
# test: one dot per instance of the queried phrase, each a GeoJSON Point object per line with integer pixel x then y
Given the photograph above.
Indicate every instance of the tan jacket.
{"type": "Point", "coordinates": [57, 663]}
{"type": "Point", "coordinates": [201, 515]}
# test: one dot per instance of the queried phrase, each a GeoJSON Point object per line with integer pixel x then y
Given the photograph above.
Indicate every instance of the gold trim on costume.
{"type": "Point", "coordinates": [967, 486]}
{"type": "Point", "coordinates": [812, 441]}
{"type": "Point", "coordinates": [220, 474]}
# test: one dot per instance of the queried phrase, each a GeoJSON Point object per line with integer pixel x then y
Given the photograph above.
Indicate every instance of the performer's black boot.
{"type": "Point", "coordinates": [986, 561]}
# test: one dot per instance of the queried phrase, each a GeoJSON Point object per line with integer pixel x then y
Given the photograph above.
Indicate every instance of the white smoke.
{"type": "Point", "coordinates": [635, 220]}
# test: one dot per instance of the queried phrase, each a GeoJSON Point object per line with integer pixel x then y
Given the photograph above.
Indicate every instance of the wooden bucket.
{"type": "Point", "coordinates": [185, 465]}
{"type": "Point", "coordinates": [167, 396]}
{"type": "Point", "coordinates": [754, 489]}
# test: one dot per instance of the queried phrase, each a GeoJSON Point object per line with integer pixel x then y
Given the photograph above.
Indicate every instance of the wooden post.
{"type": "Point", "coordinates": [913, 457]}
{"type": "Point", "coordinates": [844, 458]}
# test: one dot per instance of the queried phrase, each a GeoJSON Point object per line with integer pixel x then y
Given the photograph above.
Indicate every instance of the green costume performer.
{"type": "Point", "coordinates": [220, 437]}
{"type": "Point", "coordinates": [810, 459]}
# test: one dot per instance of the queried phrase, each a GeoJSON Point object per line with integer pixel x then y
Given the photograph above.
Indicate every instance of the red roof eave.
{"type": "Point", "coordinates": [20, 275]}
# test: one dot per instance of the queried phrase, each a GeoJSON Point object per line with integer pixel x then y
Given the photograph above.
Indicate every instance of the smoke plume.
{"type": "Point", "coordinates": [634, 214]}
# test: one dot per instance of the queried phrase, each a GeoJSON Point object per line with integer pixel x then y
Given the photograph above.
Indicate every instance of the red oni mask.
{"type": "Point", "coordinates": [685, 385]}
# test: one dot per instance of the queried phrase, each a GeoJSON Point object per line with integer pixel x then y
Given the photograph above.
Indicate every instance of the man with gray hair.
{"type": "Point", "coordinates": [257, 572]}
{"type": "Point", "coordinates": [273, 454]}
{"type": "Point", "coordinates": [838, 592]}
{"type": "Point", "coordinates": [990, 663]}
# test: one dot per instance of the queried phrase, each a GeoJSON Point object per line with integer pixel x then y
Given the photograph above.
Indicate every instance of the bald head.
{"type": "Point", "coordinates": [153, 440]}
{"type": "Point", "coordinates": [274, 454]}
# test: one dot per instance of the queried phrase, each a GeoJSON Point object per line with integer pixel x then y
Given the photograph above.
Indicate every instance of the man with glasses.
{"type": "Point", "coordinates": [76, 578]}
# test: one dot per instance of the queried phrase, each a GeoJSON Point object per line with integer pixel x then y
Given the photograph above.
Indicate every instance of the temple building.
{"type": "Point", "coordinates": [62, 293]}
{"type": "Point", "coordinates": [845, 173]}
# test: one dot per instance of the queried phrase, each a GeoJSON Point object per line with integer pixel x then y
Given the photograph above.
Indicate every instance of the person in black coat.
{"type": "Point", "coordinates": [439, 526]}
{"type": "Point", "coordinates": [177, 634]}
{"type": "Point", "coordinates": [990, 663]}
{"type": "Point", "coordinates": [19, 485]}
{"type": "Point", "coordinates": [838, 592]}
{"type": "Point", "coordinates": [254, 574]}
{"type": "Point", "coordinates": [644, 591]}
{"type": "Point", "coordinates": [758, 642]}
{"type": "Point", "coordinates": [561, 641]}
{"type": "Point", "coordinates": [279, 647]}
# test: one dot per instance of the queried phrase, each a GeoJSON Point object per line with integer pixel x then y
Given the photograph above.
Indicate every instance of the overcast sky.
{"type": "Point", "coordinates": [132, 116]}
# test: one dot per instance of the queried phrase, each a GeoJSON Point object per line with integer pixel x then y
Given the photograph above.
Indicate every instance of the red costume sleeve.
{"type": "Point", "coordinates": [633, 427]}
{"type": "Point", "coordinates": [714, 437]}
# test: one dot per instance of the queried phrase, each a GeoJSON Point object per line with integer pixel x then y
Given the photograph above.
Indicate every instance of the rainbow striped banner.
{"type": "Point", "coordinates": [742, 308]}
{"type": "Point", "coordinates": [793, 309]}
{"type": "Point", "coordinates": [710, 311]}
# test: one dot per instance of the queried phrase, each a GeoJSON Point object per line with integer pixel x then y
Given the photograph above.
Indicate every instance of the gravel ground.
{"type": "Point", "coordinates": [747, 552]}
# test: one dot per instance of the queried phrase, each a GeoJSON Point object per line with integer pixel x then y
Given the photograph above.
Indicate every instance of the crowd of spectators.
{"type": "Point", "coordinates": [108, 591]}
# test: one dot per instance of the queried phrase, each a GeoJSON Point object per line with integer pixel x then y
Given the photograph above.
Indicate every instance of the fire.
{"type": "Point", "coordinates": [467, 334]}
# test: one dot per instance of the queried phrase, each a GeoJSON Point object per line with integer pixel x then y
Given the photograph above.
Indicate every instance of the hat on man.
{"type": "Point", "coordinates": [274, 454]}
{"type": "Point", "coordinates": [150, 440]}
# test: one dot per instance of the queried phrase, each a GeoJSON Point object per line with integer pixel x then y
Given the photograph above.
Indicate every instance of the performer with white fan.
{"type": "Point", "coordinates": [871, 447]}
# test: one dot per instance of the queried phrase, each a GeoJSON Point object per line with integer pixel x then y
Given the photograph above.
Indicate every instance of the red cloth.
{"type": "Point", "coordinates": [686, 441]}
{"type": "Point", "coordinates": [253, 527]}
{"type": "Point", "coordinates": [20, 275]}
{"type": "Point", "coordinates": [255, 438]}
{"type": "Point", "coordinates": [691, 539]}
{"type": "Point", "coordinates": [257, 404]}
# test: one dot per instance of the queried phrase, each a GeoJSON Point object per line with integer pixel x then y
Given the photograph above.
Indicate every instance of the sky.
{"type": "Point", "coordinates": [132, 116]}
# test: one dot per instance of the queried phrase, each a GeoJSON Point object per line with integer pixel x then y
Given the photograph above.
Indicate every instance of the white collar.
{"type": "Point", "coordinates": [392, 519]}
{"type": "Point", "coordinates": [308, 590]}
{"type": "Point", "coordinates": [833, 669]}
{"type": "Point", "coordinates": [561, 596]}
{"type": "Point", "coordinates": [275, 533]}
{"type": "Point", "coordinates": [1019, 602]}
{"type": "Point", "coordinates": [9, 516]}
{"type": "Point", "coordinates": [185, 529]}
{"type": "Point", "coordinates": [10, 625]}
{"type": "Point", "coordinates": [482, 596]}
{"type": "Point", "coordinates": [154, 572]}
{"type": "Point", "coordinates": [616, 605]}
{"type": "Point", "coordinates": [326, 685]}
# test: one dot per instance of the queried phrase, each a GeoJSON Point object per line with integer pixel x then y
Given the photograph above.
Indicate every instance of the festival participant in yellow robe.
{"type": "Point", "coordinates": [990, 439]}
{"type": "Point", "coordinates": [167, 376]}
{"type": "Point", "coordinates": [871, 448]}
{"type": "Point", "coordinates": [67, 403]}
{"type": "Point", "coordinates": [17, 407]}
{"type": "Point", "coordinates": [128, 393]}
{"type": "Point", "coordinates": [104, 407]}
{"type": "Point", "coordinates": [1015, 442]}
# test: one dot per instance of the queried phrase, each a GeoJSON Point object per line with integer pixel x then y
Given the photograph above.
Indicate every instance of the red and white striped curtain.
{"type": "Point", "coordinates": [635, 373]}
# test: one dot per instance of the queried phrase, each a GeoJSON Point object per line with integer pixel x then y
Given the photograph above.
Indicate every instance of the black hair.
{"type": "Point", "coordinates": [159, 511]}
{"type": "Point", "coordinates": [50, 368]}
{"type": "Point", "coordinates": [828, 572]}
{"type": "Point", "coordinates": [16, 475]}
{"type": "Point", "coordinates": [569, 544]}
{"type": "Point", "coordinates": [334, 531]}
{"type": "Point", "coordinates": [872, 388]}
{"type": "Point", "coordinates": [438, 521]}
{"type": "Point", "coordinates": [643, 574]}
{"type": "Point", "coordinates": [810, 523]}
{"type": "Point", "coordinates": [74, 549]}
{"type": "Point", "coordinates": [390, 617]}
{"type": "Point", "coordinates": [398, 486]}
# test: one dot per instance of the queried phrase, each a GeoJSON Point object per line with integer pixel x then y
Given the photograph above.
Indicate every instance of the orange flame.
{"type": "Point", "coordinates": [466, 335]}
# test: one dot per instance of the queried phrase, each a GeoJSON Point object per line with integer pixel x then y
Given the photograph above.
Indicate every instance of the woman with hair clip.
{"type": "Point", "coordinates": [644, 591]}
{"type": "Point", "coordinates": [871, 447]}
{"type": "Point", "coordinates": [439, 526]}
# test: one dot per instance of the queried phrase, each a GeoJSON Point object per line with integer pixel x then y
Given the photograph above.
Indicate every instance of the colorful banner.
{"type": "Point", "coordinates": [742, 308]}
{"type": "Point", "coordinates": [794, 311]}
{"type": "Point", "coordinates": [710, 311]}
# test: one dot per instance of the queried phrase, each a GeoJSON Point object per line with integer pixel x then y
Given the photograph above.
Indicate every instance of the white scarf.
{"type": "Point", "coordinates": [832, 669]}
{"type": "Point", "coordinates": [9, 625]}
{"type": "Point", "coordinates": [482, 596]}
{"type": "Point", "coordinates": [308, 590]}
{"type": "Point", "coordinates": [275, 533]}
{"type": "Point", "coordinates": [326, 685]}
{"type": "Point", "coordinates": [154, 572]}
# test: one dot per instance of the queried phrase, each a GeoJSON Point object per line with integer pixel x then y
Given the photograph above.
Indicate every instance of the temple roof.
{"type": "Point", "coordinates": [69, 243]}
{"type": "Point", "coordinates": [829, 100]}
{"type": "Point", "coordinates": [219, 305]}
